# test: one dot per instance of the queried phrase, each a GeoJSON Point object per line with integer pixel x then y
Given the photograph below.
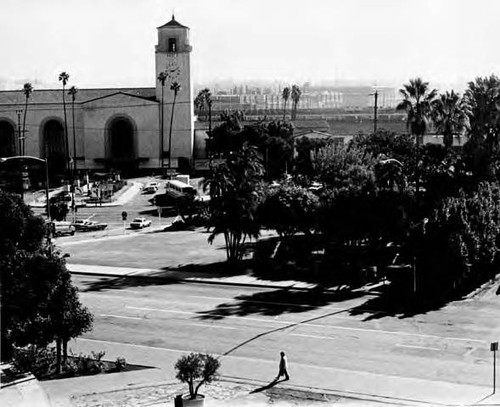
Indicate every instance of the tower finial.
{"type": "Point", "coordinates": [173, 15]}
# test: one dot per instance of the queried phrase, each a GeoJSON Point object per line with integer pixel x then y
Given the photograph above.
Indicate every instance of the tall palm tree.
{"type": "Point", "coordinates": [28, 90]}
{"type": "Point", "coordinates": [450, 114]}
{"type": "Point", "coordinates": [483, 97]}
{"type": "Point", "coordinates": [176, 87]}
{"type": "Point", "coordinates": [72, 92]}
{"type": "Point", "coordinates": [162, 77]}
{"type": "Point", "coordinates": [285, 95]}
{"type": "Point", "coordinates": [417, 99]}
{"type": "Point", "coordinates": [64, 77]}
{"type": "Point", "coordinates": [295, 95]}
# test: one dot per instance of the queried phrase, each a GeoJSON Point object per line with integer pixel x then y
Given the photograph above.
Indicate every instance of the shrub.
{"type": "Point", "coordinates": [88, 364]}
{"type": "Point", "coordinates": [120, 363]}
{"type": "Point", "coordinates": [197, 367]}
{"type": "Point", "coordinates": [36, 360]}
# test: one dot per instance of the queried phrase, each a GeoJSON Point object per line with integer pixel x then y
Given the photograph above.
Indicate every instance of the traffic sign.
{"type": "Point", "coordinates": [494, 346]}
{"type": "Point", "coordinates": [124, 215]}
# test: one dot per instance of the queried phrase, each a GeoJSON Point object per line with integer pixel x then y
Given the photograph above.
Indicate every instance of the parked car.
{"type": "Point", "coordinates": [150, 189]}
{"type": "Point", "coordinates": [139, 223]}
{"type": "Point", "coordinates": [86, 225]}
{"type": "Point", "coordinates": [62, 229]}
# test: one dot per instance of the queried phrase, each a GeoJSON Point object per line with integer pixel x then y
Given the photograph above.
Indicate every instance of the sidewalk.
{"type": "Point", "coordinates": [120, 198]}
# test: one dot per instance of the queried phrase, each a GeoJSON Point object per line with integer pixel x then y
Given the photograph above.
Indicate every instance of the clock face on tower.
{"type": "Point", "coordinates": [172, 69]}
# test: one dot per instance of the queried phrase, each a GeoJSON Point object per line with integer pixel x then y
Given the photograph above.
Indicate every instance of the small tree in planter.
{"type": "Point", "coordinates": [196, 367]}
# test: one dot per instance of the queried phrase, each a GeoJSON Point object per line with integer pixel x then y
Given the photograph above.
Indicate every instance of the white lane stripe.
{"type": "Point", "coordinates": [213, 326]}
{"type": "Point", "coordinates": [313, 336]}
{"type": "Point", "coordinates": [118, 316]}
{"type": "Point", "coordinates": [294, 323]}
{"type": "Point", "coordinates": [400, 345]}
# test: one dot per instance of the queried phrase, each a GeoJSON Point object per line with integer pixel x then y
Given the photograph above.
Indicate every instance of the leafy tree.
{"type": "Point", "coordinates": [289, 209]}
{"type": "Point", "coordinates": [227, 137]}
{"type": "Point", "coordinates": [459, 249]}
{"type": "Point", "coordinates": [450, 114]}
{"type": "Point", "coordinates": [307, 148]}
{"type": "Point", "coordinates": [175, 87]}
{"type": "Point", "coordinates": [234, 187]}
{"type": "Point", "coordinates": [37, 296]}
{"type": "Point", "coordinates": [285, 95]}
{"type": "Point", "coordinates": [345, 168]}
{"type": "Point", "coordinates": [28, 90]}
{"type": "Point", "coordinates": [64, 78]}
{"type": "Point", "coordinates": [295, 94]}
{"type": "Point", "coordinates": [69, 318]}
{"type": "Point", "coordinates": [385, 144]}
{"type": "Point", "coordinates": [277, 141]}
{"type": "Point", "coordinates": [196, 367]}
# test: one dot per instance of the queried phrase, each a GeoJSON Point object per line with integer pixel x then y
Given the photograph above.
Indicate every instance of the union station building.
{"type": "Point", "coordinates": [113, 128]}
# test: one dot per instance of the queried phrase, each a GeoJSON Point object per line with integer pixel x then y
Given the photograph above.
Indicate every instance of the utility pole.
{"type": "Point", "coordinates": [375, 107]}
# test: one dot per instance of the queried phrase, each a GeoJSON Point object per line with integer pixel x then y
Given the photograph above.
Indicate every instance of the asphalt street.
{"type": "Point", "coordinates": [323, 337]}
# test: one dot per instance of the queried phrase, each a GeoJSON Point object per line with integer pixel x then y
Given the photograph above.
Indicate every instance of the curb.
{"type": "Point", "coordinates": [195, 280]}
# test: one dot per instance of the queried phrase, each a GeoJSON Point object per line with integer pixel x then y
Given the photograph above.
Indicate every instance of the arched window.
{"type": "Point", "coordinates": [7, 139]}
{"type": "Point", "coordinates": [120, 143]}
{"type": "Point", "coordinates": [54, 146]}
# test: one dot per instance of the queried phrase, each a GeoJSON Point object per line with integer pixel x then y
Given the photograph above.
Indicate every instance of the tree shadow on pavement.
{"type": "Point", "coordinates": [399, 303]}
{"type": "Point", "coordinates": [277, 302]}
{"type": "Point", "coordinates": [120, 283]}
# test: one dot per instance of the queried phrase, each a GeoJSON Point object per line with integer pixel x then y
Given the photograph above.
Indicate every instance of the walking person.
{"type": "Point", "coordinates": [283, 370]}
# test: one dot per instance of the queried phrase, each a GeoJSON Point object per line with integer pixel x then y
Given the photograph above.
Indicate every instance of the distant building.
{"type": "Point", "coordinates": [115, 128]}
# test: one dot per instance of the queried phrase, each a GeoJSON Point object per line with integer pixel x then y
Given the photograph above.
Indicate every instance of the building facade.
{"type": "Point", "coordinates": [111, 128]}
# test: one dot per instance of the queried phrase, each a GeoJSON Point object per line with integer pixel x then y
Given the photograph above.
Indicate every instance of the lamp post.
{"type": "Point", "coordinates": [43, 160]}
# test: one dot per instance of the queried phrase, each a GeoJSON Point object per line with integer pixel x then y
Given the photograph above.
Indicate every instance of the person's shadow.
{"type": "Point", "coordinates": [268, 386]}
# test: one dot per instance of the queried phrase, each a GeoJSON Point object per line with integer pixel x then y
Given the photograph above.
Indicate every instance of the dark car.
{"type": "Point", "coordinates": [89, 225]}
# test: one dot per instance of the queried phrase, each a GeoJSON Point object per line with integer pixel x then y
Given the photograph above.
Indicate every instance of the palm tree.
{"type": "Point", "coordinates": [64, 77]}
{"type": "Point", "coordinates": [483, 97]}
{"type": "Point", "coordinates": [285, 95]}
{"type": "Point", "coordinates": [72, 92]}
{"type": "Point", "coordinates": [450, 114]}
{"type": "Point", "coordinates": [162, 77]}
{"type": "Point", "coordinates": [417, 100]}
{"type": "Point", "coordinates": [295, 95]}
{"type": "Point", "coordinates": [28, 90]}
{"type": "Point", "coordinates": [176, 87]}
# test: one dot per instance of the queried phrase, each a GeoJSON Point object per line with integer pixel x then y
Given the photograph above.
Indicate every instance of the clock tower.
{"type": "Point", "coordinates": [173, 53]}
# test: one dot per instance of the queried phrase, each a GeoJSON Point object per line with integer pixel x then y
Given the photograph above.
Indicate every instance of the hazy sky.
{"type": "Point", "coordinates": [110, 43]}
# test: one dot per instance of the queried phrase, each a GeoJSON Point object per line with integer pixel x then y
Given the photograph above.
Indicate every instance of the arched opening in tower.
{"type": "Point", "coordinates": [7, 139]}
{"type": "Point", "coordinates": [54, 147]}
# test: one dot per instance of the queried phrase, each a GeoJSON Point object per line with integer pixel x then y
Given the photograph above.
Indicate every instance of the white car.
{"type": "Point", "coordinates": [139, 223]}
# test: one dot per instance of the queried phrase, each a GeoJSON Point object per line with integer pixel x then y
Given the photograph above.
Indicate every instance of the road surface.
{"type": "Point", "coordinates": [327, 341]}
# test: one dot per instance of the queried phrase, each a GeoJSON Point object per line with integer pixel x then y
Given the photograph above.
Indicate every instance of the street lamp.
{"type": "Point", "coordinates": [43, 160]}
